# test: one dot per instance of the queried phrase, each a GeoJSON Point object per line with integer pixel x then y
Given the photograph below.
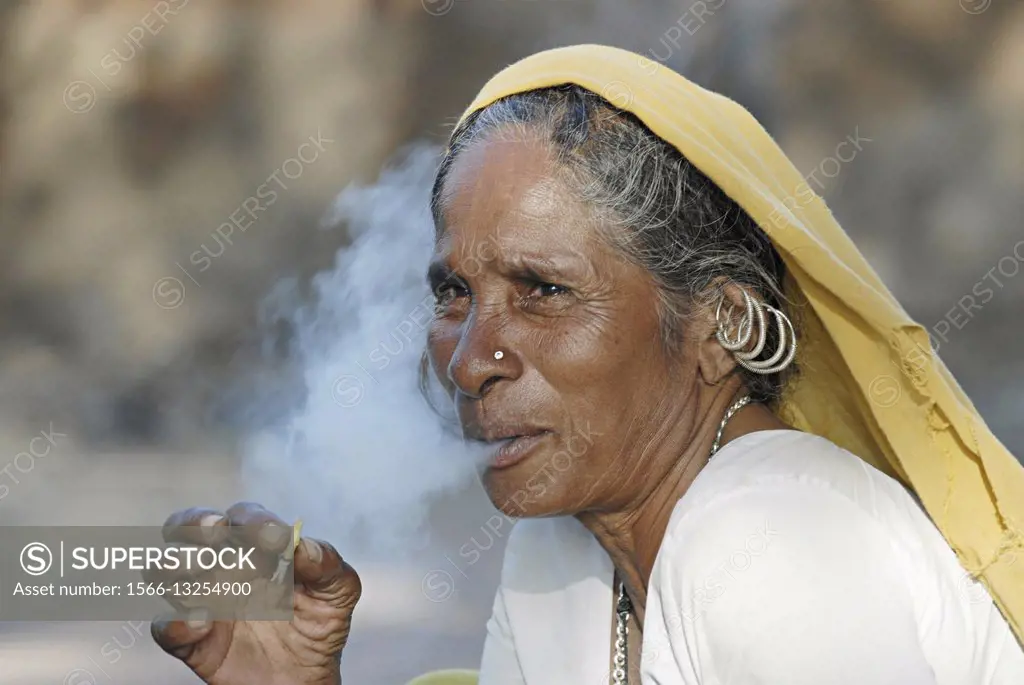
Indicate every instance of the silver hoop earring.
{"type": "Point", "coordinates": [782, 357]}
{"type": "Point", "coordinates": [785, 353]}
{"type": "Point", "coordinates": [743, 329]}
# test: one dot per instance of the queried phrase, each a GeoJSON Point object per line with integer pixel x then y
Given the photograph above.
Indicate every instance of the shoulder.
{"type": "Point", "coordinates": [790, 498]}
{"type": "Point", "coordinates": [779, 458]}
{"type": "Point", "coordinates": [791, 529]}
{"type": "Point", "coordinates": [791, 471]}
{"type": "Point", "coordinates": [778, 555]}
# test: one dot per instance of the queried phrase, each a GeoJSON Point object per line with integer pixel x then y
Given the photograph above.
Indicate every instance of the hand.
{"type": "Point", "coordinates": [303, 651]}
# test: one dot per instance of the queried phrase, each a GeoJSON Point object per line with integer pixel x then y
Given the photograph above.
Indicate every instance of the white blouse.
{"type": "Point", "coordinates": [789, 560]}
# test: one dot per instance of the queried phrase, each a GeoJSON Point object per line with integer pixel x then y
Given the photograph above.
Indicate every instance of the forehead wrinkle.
{"type": "Point", "coordinates": [520, 219]}
{"type": "Point", "coordinates": [528, 213]}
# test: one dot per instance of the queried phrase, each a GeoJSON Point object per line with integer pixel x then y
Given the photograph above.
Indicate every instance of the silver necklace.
{"type": "Point", "coordinates": [737, 405]}
{"type": "Point", "coordinates": [624, 606]}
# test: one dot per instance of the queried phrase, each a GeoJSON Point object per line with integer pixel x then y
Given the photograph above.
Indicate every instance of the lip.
{"type": "Point", "coordinates": [512, 451]}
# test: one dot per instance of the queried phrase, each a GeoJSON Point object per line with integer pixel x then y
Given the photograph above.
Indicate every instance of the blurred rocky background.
{"type": "Point", "coordinates": [132, 130]}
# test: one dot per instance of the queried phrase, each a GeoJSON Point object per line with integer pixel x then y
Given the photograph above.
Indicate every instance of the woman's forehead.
{"type": "Point", "coordinates": [508, 193]}
{"type": "Point", "coordinates": [495, 177]}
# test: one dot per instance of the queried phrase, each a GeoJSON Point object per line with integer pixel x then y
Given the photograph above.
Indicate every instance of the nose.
{"type": "Point", "coordinates": [482, 358]}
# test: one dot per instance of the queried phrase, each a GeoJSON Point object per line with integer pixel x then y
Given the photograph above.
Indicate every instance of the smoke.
{"type": "Point", "coordinates": [362, 456]}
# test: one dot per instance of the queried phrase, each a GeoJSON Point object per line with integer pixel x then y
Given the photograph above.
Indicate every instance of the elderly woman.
{"type": "Point", "coordinates": [629, 273]}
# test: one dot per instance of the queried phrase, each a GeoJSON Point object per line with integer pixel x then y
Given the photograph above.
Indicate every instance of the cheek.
{"type": "Point", "coordinates": [609, 374]}
{"type": "Point", "coordinates": [596, 348]}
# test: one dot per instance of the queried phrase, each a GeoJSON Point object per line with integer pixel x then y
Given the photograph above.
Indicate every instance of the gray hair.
{"type": "Point", "coordinates": [656, 207]}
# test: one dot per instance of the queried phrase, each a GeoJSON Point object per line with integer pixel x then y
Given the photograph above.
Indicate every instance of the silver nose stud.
{"type": "Point", "coordinates": [499, 354]}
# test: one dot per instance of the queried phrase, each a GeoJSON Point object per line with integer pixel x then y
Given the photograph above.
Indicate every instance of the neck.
{"type": "Point", "coordinates": [632, 535]}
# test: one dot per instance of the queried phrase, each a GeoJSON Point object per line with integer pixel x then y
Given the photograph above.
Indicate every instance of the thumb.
{"type": "Point", "coordinates": [324, 574]}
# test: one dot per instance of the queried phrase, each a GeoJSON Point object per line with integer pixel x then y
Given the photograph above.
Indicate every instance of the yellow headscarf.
{"type": "Point", "coordinates": [870, 381]}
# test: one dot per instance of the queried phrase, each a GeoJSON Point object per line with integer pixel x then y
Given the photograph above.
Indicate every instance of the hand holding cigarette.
{"type": "Point", "coordinates": [303, 651]}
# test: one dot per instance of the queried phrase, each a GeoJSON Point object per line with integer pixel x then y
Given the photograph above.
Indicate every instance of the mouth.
{"type": "Point", "coordinates": [515, 449]}
{"type": "Point", "coordinates": [508, 437]}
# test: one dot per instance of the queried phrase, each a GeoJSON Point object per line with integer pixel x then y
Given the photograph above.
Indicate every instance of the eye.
{"type": "Point", "coordinates": [547, 290]}
{"type": "Point", "coordinates": [448, 294]}
{"type": "Point", "coordinates": [543, 296]}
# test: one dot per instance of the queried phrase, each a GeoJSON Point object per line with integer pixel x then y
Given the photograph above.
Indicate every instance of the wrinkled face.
{"type": "Point", "coordinates": [582, 385]}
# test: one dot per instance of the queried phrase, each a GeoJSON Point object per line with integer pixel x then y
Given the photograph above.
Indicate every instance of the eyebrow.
{"type": "Point", "coordinates": [535, 266]}
{"type": "Point", "coordinates": [541, 267]}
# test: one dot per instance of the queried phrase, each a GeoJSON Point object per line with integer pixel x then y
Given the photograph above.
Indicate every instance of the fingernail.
{"type": "Point", "coordinates": [272, 535]}
{"type": "Point", "coordinates": [313, 550]}
{"type": "Point", "coordinates": [198, 620]}
{"type": "Point", "coordinates": [211, 520]}
{"type": "Point", "coordinates": [208, 525]}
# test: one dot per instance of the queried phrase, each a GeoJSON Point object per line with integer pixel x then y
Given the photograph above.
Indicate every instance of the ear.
{"type": "Point", "coordinates": [714, 361]}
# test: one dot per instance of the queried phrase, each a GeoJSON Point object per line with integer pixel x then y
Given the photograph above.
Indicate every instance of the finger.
{"type": "Point", "coordinates": [168, 574]}
{"type": "Point", "coordinates": [181, 589]}
{"type": "Point", "coordinates": [179, 637]}
{"type": "Point", "coordinates": [185, 569]}
{"type": "Point", "coordinates": [257, 526]}
{"type": "Point", "coordinates": [196, 526]}
{"type": "Point", "coordinates": [323, 572]}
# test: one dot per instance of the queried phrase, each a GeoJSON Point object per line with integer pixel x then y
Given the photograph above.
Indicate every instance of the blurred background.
{"type": "Point", "coordinates": [131, 130]}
